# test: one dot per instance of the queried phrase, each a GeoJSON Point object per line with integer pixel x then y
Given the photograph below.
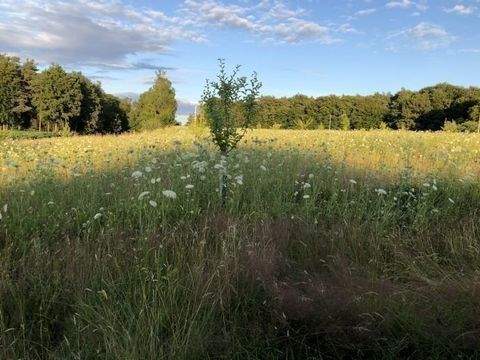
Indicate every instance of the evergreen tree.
{"type": "Point", "coordinates": [156, 107]}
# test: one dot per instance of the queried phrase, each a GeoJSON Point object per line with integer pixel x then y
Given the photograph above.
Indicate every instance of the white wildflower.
{"type": "Point", "coordinates": [306, 196]}
{"type": "Point", "coordinates": [239, 179]}
{"type": "Point", "coordinates": [262, 167]}
{"type": "Point", "coordinates": [434, 187]}
{"type": "Point", "coordinates": [152, 181]}
{"type": "Point", "coordinates": [307, 186]}
{"type": "Point", "coordinates": [97, 216]}
{"type": "Point", "coordinates": [352, 182]}
{"type": "Point", "coordinates": [137, 174]}
{"type": "Point", "coordinates": [381, 191]}
{"type": "Point", "coordinates": [142, 195]}
{"type": "Point", "coordinates": [153, 203]}
{"type": "Point", "coordinates": [189, 186]}
{"type": "Point", "coordinates": [148, 169]}
{"type": "Point", "coordinates": [5, 208]}
{"type": "Point", "coordinates": [311, 176]}
{"type": "Point", "coordinates": [169, 194]}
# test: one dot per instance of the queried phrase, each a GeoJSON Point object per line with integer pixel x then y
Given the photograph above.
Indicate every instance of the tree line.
{"type": "Point", "coordinates": [438, 107]}
{"type": "Point", "coordinates": [54, 99]}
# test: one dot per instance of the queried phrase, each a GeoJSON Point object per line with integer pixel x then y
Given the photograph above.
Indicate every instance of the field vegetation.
{"type": "Point", "coordinates": [331, 244]}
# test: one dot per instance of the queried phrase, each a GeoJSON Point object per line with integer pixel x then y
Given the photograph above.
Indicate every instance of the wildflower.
{"type": "Point", "coordinates": [97, 216]}
{"type": "Point", "coordinates": [137, 174]}
{"type": "Point", "coordinates": [50, 203]}
{"type": "Point", "coordinates": [352, 182]}
{"type": "Point", "coordinates": [152, 181]}
{"type": "Point", "coordinates": [434, 187]}
{"type": "Point", "coordinates": [148, 169]}
{"type": "Point", "coordinates": [5, 208]}
{"type": "Point", "coordinates": [426, 184]}
{"type": "Point", "coordinates": [306, 196]}
{"type": "Point", "coordinates": [262, 167]}
{"type": "Point", "coordinates": [153, 203]}
{"type": "Point", "coordinates": [239, 179]}
{"type": "Point", "coordinates": [189, 186]}
{"type": "Point", "coordinates": [311, 176]}
{"type": "Point", "coordinates": [307, 186]}
{"type": "Point", "coordinates": [32, 192]}
{"type": "Point", "coordinates": [381, 191]}
{"type": "Point", "coordinates": [142, 195]}
{"type": "Point", "coordinates": [169, 194]}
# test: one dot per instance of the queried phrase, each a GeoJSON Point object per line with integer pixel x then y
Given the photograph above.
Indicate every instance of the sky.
{"type": "Point", "coordinates": [313, 47]}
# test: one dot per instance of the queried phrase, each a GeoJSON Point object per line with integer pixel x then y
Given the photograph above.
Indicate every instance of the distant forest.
{"type": "Point", "coordinates": [439, 107]}
{"type": "Point", "coordinates": [55, 100]}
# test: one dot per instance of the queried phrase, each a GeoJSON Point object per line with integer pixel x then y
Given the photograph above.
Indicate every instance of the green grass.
{"type": "Point", "coordinates": [25, 134]}
{"type": "Point", "coordinates": [377, 257]}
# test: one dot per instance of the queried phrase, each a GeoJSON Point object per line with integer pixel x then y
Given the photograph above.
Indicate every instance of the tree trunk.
{"type": "Point", "coordinates": [224, 181]}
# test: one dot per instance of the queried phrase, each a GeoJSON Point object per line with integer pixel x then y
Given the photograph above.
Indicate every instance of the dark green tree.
{"type": "Point", "coordinates": [156, 107]}
{"type": "Point", "coordinates": [57, 97]}
{"type": "Point", "coordinates": [89, 120]}
{"type": "Point", "coordinates": [12, 99]}
{"type": "Point", "coordinates": [114, 114]}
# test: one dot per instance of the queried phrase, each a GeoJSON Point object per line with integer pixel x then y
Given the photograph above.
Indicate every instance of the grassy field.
{"type": "Point", "coordinates": [331, 245]}
{"type": "Point", "coordinates": [22, 134]}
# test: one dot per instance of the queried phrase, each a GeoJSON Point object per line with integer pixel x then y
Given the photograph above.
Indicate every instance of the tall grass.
{"type": "Point", "coordinates": [332, 244]}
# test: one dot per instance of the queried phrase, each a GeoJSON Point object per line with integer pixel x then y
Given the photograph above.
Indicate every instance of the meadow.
{"type": "Point", "coordinates": [332, 244]}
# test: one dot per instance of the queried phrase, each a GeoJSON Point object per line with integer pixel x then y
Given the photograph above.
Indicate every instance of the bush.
{"type": "Point", "coordinates": [450, 126]}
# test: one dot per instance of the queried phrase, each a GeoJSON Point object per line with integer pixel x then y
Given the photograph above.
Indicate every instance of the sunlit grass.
{"type": "Point", "coordinates": [119, 247]}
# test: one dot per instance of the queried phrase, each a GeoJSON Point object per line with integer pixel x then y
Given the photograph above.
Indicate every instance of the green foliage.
{"type": "Point", "coordinates": [156, 107]}
{"type": "Point", "coordinates": [22, 134]}
{"type": "Point", "coordinates": [12, 99]}
{"type": "Point", "coordinates": [364, 112]}
{"type": "Point", "coordinates": [474, 115]}
{"type": "Point", "coordinates": [89, 120]}
{"type": "Point", "coordinates": [344, 122]}
{"type": "Point", "coordinates": [229, 105]}
{"type": "Point", "coordinates": [57, 97]}
{"type": "Point", "coordinates": [114, 114]}
{"type": "Point", "coordinates": [450, 126]}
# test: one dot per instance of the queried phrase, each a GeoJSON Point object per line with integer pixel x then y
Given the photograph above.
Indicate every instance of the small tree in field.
{"type": "Point", "coordinates": [344, 122]}
{"type": "Point", "coordinates": [229, 106]}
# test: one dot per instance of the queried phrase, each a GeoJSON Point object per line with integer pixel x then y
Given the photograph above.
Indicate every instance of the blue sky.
{"type": "Point", "coordinates": [315, 47]}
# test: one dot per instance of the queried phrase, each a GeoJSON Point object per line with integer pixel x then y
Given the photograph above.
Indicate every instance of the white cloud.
{"type": "Point", "coordinates": [424, 36]}
{"type": "Point", "coordinates": [86, 31]}
{"type": "Point", "coordinates": [365, 12]}
{"type": "Point", "coordinates": [461, 9]}
{"type": "Point", "coordinates": [420, 5]}
{"type": "Point", "coordinates": [269, 20]}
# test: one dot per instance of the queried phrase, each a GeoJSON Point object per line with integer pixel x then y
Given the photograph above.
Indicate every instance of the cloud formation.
{"type": "Point", "coordinates": [424, 36]}
{"type": "Point", "coordinates": [461, 9]}
{"type": "Point", "coordinates": [268, 20]}
{"type": "Point", "coordinates": [107, 32]}
{"type": "Point", "coordinates": [86, 31]}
